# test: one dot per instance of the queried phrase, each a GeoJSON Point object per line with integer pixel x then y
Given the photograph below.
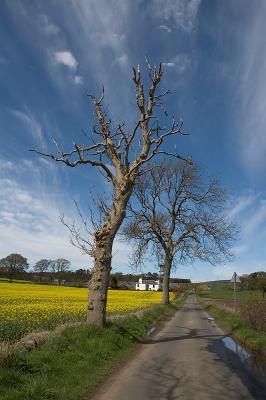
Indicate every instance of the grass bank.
{"type": "Point", "coordinates": [71, 365]}
{"type": "Point", "coordinates": [253, 340]}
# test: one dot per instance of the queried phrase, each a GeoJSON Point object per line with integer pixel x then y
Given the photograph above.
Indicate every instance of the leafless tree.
{"type": "Point", "coordinates": [120, 154]}
{"type": "Point", "coordinates": [179, 216]}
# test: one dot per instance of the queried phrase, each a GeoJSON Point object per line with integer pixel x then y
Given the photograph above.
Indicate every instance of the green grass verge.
{"type": "Point", "coordinates": [251, 339]}
{"type": "Point", "coordinates": [72, 364]}
{"type": "Point", "coordinates": [14, 280]}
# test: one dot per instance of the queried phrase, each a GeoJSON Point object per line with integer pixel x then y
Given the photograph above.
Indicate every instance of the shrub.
{"type": "Point", "coordinates": [254, 312]}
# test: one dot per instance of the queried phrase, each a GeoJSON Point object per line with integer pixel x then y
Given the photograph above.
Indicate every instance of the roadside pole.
{"type": "Point", "coordinates": [235, 279]}
{"type": "Point", "coordinates": [235, 293]}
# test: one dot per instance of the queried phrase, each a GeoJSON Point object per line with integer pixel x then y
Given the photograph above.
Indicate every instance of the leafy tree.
{"type": "Point", "coordinates": [59, 267]}
{"type": "Point", "coordinates": [262, 283]}
{"type": "Point", "coordinates": [14, 264]}
{"type": "Point", "coordinates": [119, 152]}
{"type": "Point", "coordinates": [42, 266]}
{"type": "Point", "coordinates": [178, 216]}
{"type": "Point", "coordinates": [257, 281]}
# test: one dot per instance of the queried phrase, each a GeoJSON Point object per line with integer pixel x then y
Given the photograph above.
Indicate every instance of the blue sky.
{"type": "Point", "coordinates": [54, 53]}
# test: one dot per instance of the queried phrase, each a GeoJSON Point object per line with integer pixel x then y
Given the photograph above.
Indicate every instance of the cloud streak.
{"type": "Point", "coordinates": [181, 63]}
{"type": "Point", "coordinates": [181, 13]}
{"type": "Point", "coordinates": [250, 99]}
{"type": "Point", "coordinates": [48, 26]}
{"type": "Point", "coordinates": [29, 218]}
{"type": "Point", "coordinates": [31, 123]}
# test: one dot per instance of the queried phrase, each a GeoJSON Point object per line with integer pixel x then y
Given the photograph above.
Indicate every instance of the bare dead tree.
{"type": "Point", "coordinates": [126, 151]}
{"type": "Point", "coordinates": [178, 215]}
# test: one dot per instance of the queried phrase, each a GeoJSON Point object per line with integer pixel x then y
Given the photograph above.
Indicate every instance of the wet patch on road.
{"type": "Point", "coordinates": [242, 363]}
{"type": "Point", "coordinates": [248, 359]}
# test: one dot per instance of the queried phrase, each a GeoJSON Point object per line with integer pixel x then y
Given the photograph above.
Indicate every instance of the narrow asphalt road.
{"type": "Point", "coordinates": [185, 360]}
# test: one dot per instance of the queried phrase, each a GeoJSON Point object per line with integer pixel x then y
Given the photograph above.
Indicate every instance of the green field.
{"type": "Point", "coordinates": [14, 280]}
{"type": "Point", "coordinates": [227, 293]}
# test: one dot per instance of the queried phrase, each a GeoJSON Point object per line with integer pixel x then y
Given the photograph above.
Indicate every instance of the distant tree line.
{"type": "Point", "coordinates": [15, 266]}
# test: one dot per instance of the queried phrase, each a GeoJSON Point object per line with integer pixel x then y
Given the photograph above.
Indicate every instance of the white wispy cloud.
{"type": "Point", "coordinates": [241, 203]}
{"type": "Point", "coordinates": [105, 28]}
{"type": "Point", "coordinates": [47, 25]}
{"type": "Point", "coordinates": [29, 217]}
{"type": "Point", "coordinates": [249, 90]}
{"type": "Point", "coordinates": [29, 214]}
{"type": "Point", "coordinates": [249, 211]}
{"type": "Point", "coordinates": [78, 79]}
{"type": "Point", "coordinates": [121, 60]}
{"type": "Point", "coordinates": [183, 13]}
{"type": "Point", "coordinates": [237, 250]}
{"type": "Point", "coordinates": [31, 123]}
{"type": "Point", "coordinates": [6, 165]}
{"type": "Point", "coordinates": [181, 62]}
{"type": "Point", "coordinates": [254, 222]}
{"type": "Point", "coordinates": [168, 64]}
{"type": "Point", "coordinates": [165, 28]}
{"type": "Point", "coordinates": [66, 58]}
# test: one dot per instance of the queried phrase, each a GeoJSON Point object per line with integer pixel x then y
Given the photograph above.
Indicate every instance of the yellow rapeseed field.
{"type": "Point", "coordinates": [27, 307]}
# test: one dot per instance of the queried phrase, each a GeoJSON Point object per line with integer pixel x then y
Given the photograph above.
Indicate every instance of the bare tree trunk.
{"type": "Point", "coordinates": [166, 279]}
{"type": "Point", "coordinates": [98, 285]}
{"type": "Point", "coordinates": [104, 237]}
{"type": "Point", "coordinates": [11, 274]}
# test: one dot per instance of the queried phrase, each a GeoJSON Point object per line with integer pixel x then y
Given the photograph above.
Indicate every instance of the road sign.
{"type": "Point", "coordinates": [235, 278]}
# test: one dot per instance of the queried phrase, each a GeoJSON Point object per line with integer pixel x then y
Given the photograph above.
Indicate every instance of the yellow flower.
{"type": "Point", "coordinates": [27, 307]}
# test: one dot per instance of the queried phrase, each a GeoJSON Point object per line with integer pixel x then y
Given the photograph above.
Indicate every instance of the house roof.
{"type": "Point", "coordinates": [130, 284]}
{"type": "Point", "coordinates": [149, 282]}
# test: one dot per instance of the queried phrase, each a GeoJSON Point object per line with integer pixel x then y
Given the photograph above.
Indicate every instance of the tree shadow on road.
{"type": "Point", "coordinates": [169, 382]}
{"type": "Point", "coordinates": [192, 334]}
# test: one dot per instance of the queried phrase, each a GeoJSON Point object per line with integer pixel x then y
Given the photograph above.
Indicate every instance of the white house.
{"type": "Point", "coordinates": [148, 285]}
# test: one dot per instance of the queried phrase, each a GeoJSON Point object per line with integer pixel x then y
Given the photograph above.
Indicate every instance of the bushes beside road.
{"type": "Point", "coordinates": [253, 311]}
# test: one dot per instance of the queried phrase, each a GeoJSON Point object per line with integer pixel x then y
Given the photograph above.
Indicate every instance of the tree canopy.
{"type": "Point", "coordinates": [14, 264]}
{"type": "Point", "coordinates": [178, 216]}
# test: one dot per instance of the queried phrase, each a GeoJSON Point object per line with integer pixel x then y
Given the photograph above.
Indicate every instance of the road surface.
{"type": "Point", "coordinates": [185, 360]}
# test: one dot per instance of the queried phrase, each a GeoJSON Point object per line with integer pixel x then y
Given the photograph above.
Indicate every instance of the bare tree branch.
{"type": "Point", "coordinates": [120, 154]}
{"type": "Point", "coordinates": [180, 214]}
